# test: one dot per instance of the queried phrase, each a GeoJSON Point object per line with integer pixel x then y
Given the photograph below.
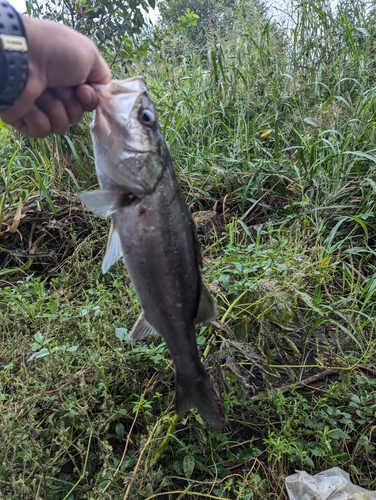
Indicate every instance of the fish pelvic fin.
{"type": "Point", "coordinates": [114, 252]}
{"type": "Point", "coordinates": [142, 328]}
{"type": "Point", "coordinates": [200, 394]}
{"type": "Point", "coordinates": [104, 203]}
{"type": "Point", "coordinates": [207, 308]}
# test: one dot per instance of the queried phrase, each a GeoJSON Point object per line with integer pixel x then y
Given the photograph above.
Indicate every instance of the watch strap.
{"type": "Point", "coordinates": [13, 55]}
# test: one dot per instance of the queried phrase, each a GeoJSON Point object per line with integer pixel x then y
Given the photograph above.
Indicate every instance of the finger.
{"type": "Point", "coordinates": [72, 105]}
{"type": "Point", "coordinates": [34, 123]}
{"type": "Point", "coordinates": [24, 102]}
{"type": "Point", "coordinates": [55, 110]}
{"type": "Point", "coordinates": [87, 97]}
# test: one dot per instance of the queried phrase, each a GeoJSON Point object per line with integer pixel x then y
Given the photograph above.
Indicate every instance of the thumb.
{"type": "Point", "coordinates": [87, 97]}
{"type": "Point", "coordinates": [100, 72]}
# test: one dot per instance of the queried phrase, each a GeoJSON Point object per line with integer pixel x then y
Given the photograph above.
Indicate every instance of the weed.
{"type": "Point", "coordinates": [272, 136]}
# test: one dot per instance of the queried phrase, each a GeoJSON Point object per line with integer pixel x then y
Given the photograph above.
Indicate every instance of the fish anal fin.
{"type": "Point", "coordinates": [104, 203]}
{"type": "Point", "coordinates": [142, 328]}
{"type": "Point", "coordinates": [114, 251]}
{"type": "Point", "coordinates": [207, 309]}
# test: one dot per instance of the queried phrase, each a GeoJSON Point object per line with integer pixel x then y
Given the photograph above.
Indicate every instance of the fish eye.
{"type": "Point", "coordinates": [147, 117]}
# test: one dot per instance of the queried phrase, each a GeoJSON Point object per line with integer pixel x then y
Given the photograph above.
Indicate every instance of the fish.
{"type": "Point", "coordinates": [153, 232]}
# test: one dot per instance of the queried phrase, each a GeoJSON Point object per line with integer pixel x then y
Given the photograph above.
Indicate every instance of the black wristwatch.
{"type": "Point", "coordinates": [13, 56]}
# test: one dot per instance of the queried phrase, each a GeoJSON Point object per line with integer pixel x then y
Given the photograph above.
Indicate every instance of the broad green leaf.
{"type": "Point", "coordinates": [188, 465]}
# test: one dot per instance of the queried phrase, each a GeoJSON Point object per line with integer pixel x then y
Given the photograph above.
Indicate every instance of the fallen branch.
{"type": "Point", "coordinates": [306, 381]}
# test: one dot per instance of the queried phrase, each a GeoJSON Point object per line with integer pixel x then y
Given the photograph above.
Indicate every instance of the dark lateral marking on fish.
{"type": "Point", "coordinates": [122, 91]}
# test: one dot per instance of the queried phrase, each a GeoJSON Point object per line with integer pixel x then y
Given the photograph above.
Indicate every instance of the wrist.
{"type": "Point", "coordinates": [13, 56]}
{"type": "Point", "coordinates": [37, 80]}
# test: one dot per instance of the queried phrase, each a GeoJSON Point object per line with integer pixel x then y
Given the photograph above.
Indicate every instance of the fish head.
{"type": "Point", "coordinates": [126, 137]}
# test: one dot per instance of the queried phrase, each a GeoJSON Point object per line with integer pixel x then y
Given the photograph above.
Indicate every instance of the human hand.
{"type": "Point", "coordinates": [62, 62]}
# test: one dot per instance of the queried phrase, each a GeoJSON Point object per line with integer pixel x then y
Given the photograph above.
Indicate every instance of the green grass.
{"type": "Point", "coordinates": [273, 141]}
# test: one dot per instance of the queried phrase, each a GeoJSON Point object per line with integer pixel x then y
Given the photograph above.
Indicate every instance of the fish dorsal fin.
{"type": "Point", "coordinates": [113, 251]}
{"type": "Point", "coordinates": [142, 328]}
{"type": "Point", "coordinates": [207, 308]}
{"type": "Point", "coordinates": [105, 203]}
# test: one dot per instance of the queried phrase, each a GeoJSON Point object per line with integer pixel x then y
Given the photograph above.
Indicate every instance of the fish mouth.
{"type": "Point", "coordinates": [117, 100]}
{"type": "Point", "coordinates": [132, 85]}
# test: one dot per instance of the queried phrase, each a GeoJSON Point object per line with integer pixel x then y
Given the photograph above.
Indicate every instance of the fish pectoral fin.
{"type": "Point", "coordinates": [114, 252]}
{"type": "Point", "coordinates": [142, 328]}
{"type": "Point", "coordinates": [207, 308]}
{"type": "Point", "coordinates": [105, 203]}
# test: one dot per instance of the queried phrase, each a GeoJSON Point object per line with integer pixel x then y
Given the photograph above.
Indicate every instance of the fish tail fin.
{"type": "Point", "coordinates": [199, 393]}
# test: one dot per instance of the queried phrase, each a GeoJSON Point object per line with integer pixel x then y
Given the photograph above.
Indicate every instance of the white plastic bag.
{"type": "Point", "coordinates": [332, 484]}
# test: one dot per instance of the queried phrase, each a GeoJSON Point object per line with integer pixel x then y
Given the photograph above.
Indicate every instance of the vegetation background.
{"type": "Point", "coordinates": [272, 130]}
